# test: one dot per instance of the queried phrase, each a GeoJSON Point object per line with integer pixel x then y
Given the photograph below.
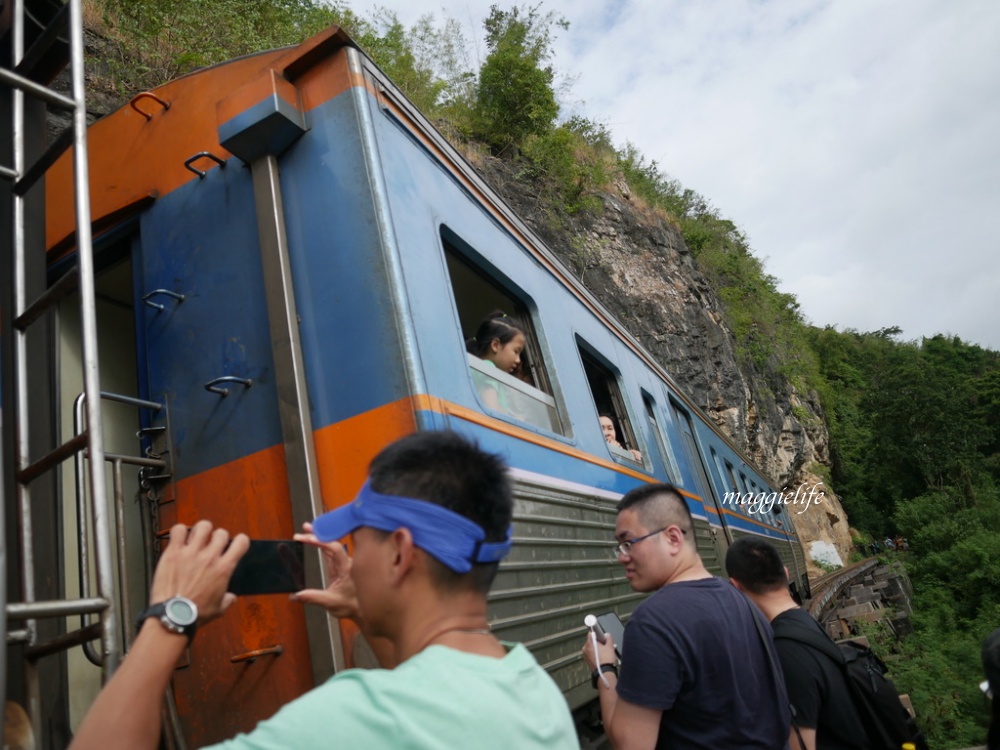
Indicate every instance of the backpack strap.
{"type": "Point", "coordinates": [814, 637]}
{"type": "Point", "coordinates": [775, 671]}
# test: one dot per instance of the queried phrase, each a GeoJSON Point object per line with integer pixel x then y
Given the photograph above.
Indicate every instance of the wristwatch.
{"type": "Point", "coordinates": [177, 614]}
{"type": "Point", "coordinates": [596, 674]}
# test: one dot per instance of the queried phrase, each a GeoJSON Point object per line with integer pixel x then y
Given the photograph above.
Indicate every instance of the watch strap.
{"type": "Point", "coordinates": [154, 610]}
{"type": "Point", "coordinates": [596, 674]}
{"type": "Point", "coordinates": [159, 611]}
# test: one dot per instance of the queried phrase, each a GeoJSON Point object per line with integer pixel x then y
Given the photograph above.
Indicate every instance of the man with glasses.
{"type": "Point", "coordinates": [695, 672]}
{"type": "Point", "coordinates": [428, 531]}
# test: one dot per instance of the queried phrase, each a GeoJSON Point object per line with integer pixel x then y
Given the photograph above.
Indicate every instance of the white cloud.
{"type": "Point", "coordinates": [855, 141]}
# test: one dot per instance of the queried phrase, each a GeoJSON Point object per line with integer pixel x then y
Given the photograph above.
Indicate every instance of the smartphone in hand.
{"type": "Point", "coordinates": [270, 566]}
{"type": "Point", "coordinates": [612, 625]}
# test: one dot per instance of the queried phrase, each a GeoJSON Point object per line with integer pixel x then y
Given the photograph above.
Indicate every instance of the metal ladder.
{"type": "Point", "coordinates": [30, 76]}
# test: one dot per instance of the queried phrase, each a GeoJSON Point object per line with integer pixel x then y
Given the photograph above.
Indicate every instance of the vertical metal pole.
{"type": "Point", "coordinates": [3, 585]}
{"type": "Point", "coordinates": [22, 420]}
{"type": "Point", "coordinates": [3, 504]}
{"type": "Point", "coordinates": [293, 399]}
{"type": "Point", "coordinates": [123, 586]}
{"type": "Point", "coordinates": [3, 593]}
{"type": "Point", "coordinates": [82, 537]}
{"type": "Point", "coordinates": [88, 325]}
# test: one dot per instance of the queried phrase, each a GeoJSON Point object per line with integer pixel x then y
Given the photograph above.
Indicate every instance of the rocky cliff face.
{"type": "Point", "coordinates": [637, 264]}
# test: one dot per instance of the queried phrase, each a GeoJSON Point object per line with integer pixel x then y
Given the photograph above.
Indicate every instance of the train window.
{"type": "Point", "coordinates": [743, 482]}
{"type": "Point", "coordinates": [526, 393]}
{"type": "Point", "coordinates": [610, 403]}
{"type": "Point", "coordinates": [693, 455]}
{"type": "Point", "coordinates": [733, 497]}
{"type": "Point", "coordinates": [662, 443]}
{"type": "Point", "coordinates": [734, 485]}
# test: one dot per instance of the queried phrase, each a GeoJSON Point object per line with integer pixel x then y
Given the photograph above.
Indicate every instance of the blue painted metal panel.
{"type": "Point", "coordinates": [201, 241]}
{"type": "Point", "coordinates": [349, 338]}
{"type": "Point", "coordinates": [206, 247]}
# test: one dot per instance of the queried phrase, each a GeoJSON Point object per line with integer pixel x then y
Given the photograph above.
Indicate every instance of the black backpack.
{"type": "Point", "coordinates": [886, 721]}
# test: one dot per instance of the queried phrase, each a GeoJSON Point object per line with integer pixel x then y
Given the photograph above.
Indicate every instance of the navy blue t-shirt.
{"type": "Point", "coordinates": [692, 650]}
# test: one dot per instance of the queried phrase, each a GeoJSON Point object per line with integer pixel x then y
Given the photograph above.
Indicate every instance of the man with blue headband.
{"type": "Point", "coordinates": [427, 530]}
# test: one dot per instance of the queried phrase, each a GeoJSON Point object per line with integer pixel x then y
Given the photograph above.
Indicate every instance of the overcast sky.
{"type": "Point", "coordinates": [855, 142]}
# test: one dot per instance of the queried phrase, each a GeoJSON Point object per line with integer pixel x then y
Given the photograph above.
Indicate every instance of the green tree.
{"type": "Point", "coordinates": [159, 40]}
{"type": "Point", "coordinates": [515, 97]}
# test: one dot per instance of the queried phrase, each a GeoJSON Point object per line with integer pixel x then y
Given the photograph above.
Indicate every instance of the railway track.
{"type": "Point", "coordinates": [826, 589]}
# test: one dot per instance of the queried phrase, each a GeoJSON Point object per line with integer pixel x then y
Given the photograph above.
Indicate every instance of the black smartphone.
{"type": "Point", "coordinates": [270, 566]}
{"type": "Point", "coordinates": [611, 624]}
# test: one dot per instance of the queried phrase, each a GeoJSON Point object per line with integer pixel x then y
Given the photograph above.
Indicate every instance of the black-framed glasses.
{"type": "Point", "coordinates": [625, 548]}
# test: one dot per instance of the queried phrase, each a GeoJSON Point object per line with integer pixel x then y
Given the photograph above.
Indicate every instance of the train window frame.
{"type": "Point", "coordinates": [663, 445]}
{"type": "Point", "coordinates": [696, 459]}
{"type": "Point", "coordinates": [721, 465]}
{"type": "Point", "coordinates": [478, 288]}
{"type": "Point", "coordinates": [611, 402]}
{"type": "Point", "coordinates": [741, 493]}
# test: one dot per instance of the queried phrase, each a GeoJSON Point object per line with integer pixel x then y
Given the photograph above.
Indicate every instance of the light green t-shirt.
{"type": "Point", "coordinates": [440, 699]}
{"type": "Point", "coordinates": [484, 383]}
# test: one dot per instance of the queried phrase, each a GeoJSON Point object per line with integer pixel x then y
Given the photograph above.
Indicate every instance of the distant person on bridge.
{"type": "Point", "coordinates": [825, 717]}
{"type": "Point", "coordinates": [429, 530]}
{"type": "Point", "coordinates": [694, 671]}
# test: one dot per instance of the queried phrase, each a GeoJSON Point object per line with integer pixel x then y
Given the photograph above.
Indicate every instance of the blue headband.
{"type": "Point", "coordinates": [452, 539]}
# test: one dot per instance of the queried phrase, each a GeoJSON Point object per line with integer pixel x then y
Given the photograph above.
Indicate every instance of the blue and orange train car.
{"type": "Point", "coordinates": [300, 256]}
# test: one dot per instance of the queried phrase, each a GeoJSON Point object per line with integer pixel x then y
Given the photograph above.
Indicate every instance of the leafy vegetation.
{"type": "Point", "coordinates": [515, 97]}
{"type": "Point", "coordinates": [914, 444]}
{"type": "Point", "coordinates": [157, 40]}
{"type": "Point", "coordinates": [913, 434]}
{"type": "Point", "coordinates": [906, 419]}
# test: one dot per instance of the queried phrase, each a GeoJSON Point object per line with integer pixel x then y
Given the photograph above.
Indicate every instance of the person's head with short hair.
{"type": "Point", "coordinates": [446, 469]}
{"type": "Point", "coordinates": [429, 529]}
{"type": "Point", "coordinates": [499, 339]}
{"type": "Point", "coordinates": [656, 537]}
{"type": "Point", "coordinates": [755, 565]}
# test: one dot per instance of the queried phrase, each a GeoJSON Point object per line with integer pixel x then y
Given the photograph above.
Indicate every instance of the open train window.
{"type": "Point", "coordinates": [610, 405]}
{"type": "Point", "coordinates": [526, 393]}
{"type": "Point", "coordinates": [662, 443]}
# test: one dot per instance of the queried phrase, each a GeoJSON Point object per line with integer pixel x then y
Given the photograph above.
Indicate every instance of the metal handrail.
{"type": "Point", "coordinates": [105, 584]}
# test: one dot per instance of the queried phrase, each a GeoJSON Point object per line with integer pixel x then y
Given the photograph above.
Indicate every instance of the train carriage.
{"type": "Point", "coordinates": [290, 260]}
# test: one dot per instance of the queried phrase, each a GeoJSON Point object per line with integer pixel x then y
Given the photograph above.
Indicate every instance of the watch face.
{"type": "Point", "coordinates": [181, 611]}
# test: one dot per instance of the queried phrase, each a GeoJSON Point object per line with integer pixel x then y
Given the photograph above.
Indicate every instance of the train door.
{"type": "Point", "coordinates": [720, 534]}
{"type": "Point", "coordinates": [206, 352]}
{"type": "Point", "coordinates": [121, 418]}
